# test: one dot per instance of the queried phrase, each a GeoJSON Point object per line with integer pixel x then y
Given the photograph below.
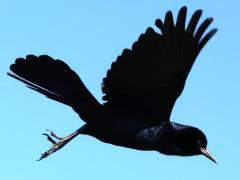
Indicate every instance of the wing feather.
{"type": "Point", "coordinates": [151, 76]}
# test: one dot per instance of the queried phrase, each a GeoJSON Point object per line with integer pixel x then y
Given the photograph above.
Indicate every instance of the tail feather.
{"type": "Point", "coordinates": [55, 79]}
{"type": "Point", "coordinates": [39, 89]}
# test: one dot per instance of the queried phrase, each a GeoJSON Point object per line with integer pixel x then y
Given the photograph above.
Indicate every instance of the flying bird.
{"type": "Point", "coordinates": [140, 90]}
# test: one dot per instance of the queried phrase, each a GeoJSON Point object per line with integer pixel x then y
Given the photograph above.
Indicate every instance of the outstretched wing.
{"type": "Point", "coordinates": [151, 76]}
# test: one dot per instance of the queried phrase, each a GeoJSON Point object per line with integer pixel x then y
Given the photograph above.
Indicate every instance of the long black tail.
{"type": "Point", "coordinates": [57, 81]}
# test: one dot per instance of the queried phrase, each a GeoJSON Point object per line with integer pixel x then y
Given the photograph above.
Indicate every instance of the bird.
{"type": "Point", "coordinates": [139, 90]}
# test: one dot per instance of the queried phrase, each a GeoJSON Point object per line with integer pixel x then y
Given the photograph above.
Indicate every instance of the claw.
{"type": "Point", "coordinates": [55, 146]}
{"type": "Point", "coordinates": [44, 155]}
{"type": "Point", "coordinates": [54, 134]}
{"type": "Point", "coordinates": [58, 145]}
{"type": "Point", "coordinates": [49, 138]}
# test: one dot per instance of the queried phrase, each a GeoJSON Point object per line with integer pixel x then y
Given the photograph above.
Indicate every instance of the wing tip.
{"type": "Point", "coordinates": [159, 24]}
{"type": "Point", "coordinates": [183, 9]}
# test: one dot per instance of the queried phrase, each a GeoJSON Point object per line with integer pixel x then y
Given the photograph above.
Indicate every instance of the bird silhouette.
{"type": "Point", "coordinates": [140, 90]}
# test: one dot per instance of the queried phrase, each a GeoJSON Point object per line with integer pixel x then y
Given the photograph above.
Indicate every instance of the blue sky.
{"type": "Point", "coordinates": [89, 35]}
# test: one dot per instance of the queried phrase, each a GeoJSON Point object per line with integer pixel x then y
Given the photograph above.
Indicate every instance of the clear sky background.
{"type": "Point", "coordinates": [88, 35]}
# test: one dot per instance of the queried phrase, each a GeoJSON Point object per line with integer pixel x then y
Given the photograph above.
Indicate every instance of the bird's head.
{"type": "Point", "coordinates": [188, 141]}
{"type": "Point", "coordinates": [201, 144]}
{"type": "Point", "coordinates": [198, 142]}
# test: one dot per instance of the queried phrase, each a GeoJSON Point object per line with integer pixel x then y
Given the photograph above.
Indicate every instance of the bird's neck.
{"type": "Point", "coordinates": [173, 140]}
{"type": "Point", "coordinates": [164, 137]}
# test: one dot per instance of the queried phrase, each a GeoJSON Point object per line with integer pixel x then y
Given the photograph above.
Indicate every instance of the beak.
{"type": "Point", "coordinates": [207, 154]}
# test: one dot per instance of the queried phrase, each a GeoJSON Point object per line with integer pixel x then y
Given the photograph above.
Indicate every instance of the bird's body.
{"type": "Point", "coordinates": [133, 131]}
{"type": "Point", "coordinates": [120, 127]}
{"type": "Point", "coordinates": [140, 90]}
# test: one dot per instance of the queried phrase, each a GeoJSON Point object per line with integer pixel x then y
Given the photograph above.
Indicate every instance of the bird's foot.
{"type": "Point", "coordinates": [56, 145]}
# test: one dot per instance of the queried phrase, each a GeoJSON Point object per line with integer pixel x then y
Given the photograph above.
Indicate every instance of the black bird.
{"type": "Point", "coordinates": [140, 90]}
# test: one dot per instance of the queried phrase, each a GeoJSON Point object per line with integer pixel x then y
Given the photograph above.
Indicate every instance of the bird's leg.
{"type": "Point", "coordinates": [60, 143]}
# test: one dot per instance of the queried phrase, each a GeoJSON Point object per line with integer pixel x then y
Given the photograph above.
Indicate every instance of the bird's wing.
{"type": "Point", "coordinates": [151, 76]}
{"type": "Point", "coordinates": [57, 81]}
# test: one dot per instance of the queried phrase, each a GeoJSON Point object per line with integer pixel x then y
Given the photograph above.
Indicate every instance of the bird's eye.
{"type": "Point", "coordinates": [199, 142]}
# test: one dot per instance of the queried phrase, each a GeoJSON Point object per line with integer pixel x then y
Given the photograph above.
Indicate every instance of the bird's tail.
{"type": "Point", "coordinates": [55, 79]}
